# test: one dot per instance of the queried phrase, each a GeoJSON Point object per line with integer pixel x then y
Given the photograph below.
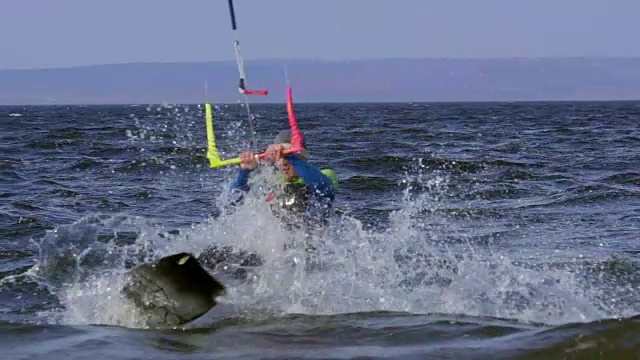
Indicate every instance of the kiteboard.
{"type": "Point", "coordinates": [174, 290]}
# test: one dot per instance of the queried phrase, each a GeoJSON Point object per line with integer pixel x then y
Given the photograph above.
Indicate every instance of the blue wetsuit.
{"type": "Point", "coordinates": [310, 197]}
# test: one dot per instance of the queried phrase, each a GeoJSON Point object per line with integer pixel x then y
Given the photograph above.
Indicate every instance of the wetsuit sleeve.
{"type": "Point", "coordinates": [311, 176]}
{"type": "Point", "coordinates": [239, 187]}
{"type": "Point", "coordinates": [241, 181]}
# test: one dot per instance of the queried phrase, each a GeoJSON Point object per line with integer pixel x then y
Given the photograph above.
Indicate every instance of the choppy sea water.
{"type": "Point", "coordinates": [463, 231]}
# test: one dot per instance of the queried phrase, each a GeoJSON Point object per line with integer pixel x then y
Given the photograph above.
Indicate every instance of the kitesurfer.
{"type": "Point", "coordinates": [304, 195]}
{"type": "Point", "coordinates": [302, 198]}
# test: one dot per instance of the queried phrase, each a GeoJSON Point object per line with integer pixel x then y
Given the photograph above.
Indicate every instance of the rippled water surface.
{"type": "Point", "coordinates": [463, 231]}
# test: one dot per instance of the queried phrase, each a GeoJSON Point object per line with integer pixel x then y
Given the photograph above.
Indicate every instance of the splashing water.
{"type": "Point", "coordinates": [410, 265]}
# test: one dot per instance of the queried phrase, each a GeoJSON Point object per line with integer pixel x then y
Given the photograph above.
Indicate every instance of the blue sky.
{"type": "Point", "coordinates": [54, 33]}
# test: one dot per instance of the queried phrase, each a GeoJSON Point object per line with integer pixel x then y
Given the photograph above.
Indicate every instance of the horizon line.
{"type": "Point", "coordinates": [422, 102]}
{"type": "Point", "coordinates": [303, 59]}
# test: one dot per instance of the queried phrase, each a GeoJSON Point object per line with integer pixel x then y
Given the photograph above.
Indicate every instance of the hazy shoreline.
{"type": "Point", "coordinates": [330, 81]}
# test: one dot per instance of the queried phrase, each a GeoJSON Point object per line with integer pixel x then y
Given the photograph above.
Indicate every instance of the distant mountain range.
{"type": "Point", "coordinates": [386, 80]}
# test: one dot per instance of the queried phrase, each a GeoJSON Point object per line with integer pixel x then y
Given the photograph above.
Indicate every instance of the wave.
{"type": "Point", "coordinates": [371, 334]}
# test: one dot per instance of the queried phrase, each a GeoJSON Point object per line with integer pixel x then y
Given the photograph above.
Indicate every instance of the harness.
{"type": "Point", "coordinates": [291, 199]}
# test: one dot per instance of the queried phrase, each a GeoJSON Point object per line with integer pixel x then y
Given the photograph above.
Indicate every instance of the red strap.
{"type": "Point", "coordinates": [296, 135]}
{"type": "Point", "coordinates": [297, 140]}
{"type": "Point", "coordinates": [255, 92]}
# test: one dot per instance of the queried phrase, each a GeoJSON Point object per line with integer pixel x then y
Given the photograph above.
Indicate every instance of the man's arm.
{"type": "Point", "coordinates": [241, 181]}
{"type": "Point", "coordinates": [239, 187]}
{"type": "Point", "coordinates": [321, 184]}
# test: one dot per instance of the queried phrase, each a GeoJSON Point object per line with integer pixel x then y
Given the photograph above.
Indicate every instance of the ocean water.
{"type": "Point", "coordinates": [462, 231]}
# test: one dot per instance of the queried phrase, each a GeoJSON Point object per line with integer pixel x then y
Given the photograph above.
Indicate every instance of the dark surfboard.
{"type": "Point", "coordinates": [174, 290]}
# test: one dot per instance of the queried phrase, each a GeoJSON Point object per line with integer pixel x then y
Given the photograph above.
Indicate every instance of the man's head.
{"type": "Point", "coordinates": [284, 138]}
